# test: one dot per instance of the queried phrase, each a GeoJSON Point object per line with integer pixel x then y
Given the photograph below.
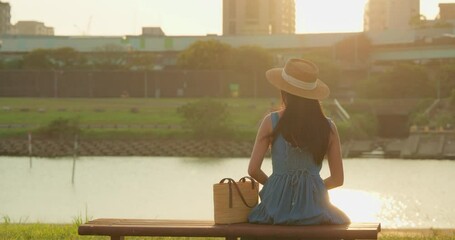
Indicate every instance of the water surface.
{"type": "Point", "coordinates": [397, 193]}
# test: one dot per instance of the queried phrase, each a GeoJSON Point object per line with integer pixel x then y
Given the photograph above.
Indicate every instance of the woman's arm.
{"type": "Point", "coordinates": [260, 148]}
{"type": "Point", "coordinates": [336, 178]}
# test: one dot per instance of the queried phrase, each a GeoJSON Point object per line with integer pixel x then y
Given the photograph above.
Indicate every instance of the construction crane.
{"type": "Point", "coordinates": [86, 31]}
{"type": "Point", "coordinates": [89, 24]}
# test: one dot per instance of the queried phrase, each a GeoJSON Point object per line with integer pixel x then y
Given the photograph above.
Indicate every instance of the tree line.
{"type": "Point", "coordinates": [396, 80]}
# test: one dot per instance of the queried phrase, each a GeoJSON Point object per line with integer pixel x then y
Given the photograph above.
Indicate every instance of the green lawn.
{"type": "Point", "coordinates": [245, 114]}
{"type": "Point", "coordinates": [118, 111]}
{"type": "Point", "coordinates": [124, 117]}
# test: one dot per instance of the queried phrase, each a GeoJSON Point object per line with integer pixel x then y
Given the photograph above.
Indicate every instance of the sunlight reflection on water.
{"type": "Point", "coordinates": [360, 206]}
{"type": "Point", "coordinates": [363, 206]}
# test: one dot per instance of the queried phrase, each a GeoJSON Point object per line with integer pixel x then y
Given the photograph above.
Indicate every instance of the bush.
{"type": "Point", "coordinates": [442, 119]}
{"type": "Point", "coordinates": [360, 126]}
{"type": "Point", "coordinates": [60, 128]}
{"type": "Point", "coordinates": [206, 118]}
{"type": "Point", "coordinates": [452, 100]}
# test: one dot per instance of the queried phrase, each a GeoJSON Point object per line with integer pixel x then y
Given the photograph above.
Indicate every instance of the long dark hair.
{"type": "Point", "coordinates": [304, 125]}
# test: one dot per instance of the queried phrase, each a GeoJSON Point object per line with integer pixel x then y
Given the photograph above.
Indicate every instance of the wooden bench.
{"type": "Point", "coordinates": [119, 228]}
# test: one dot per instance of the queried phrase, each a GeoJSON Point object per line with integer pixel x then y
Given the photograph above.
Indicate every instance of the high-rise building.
{"type": "Point", "coordinates": [31, 28]}
{"type": "Point", "coordinates": [5, 18]}
{"type": "Point", "coordinates": [258, 17]}
{"type": "Point", "coordinates": [447, 11]}
{"type": "Point", "coordinates": [383, 15]}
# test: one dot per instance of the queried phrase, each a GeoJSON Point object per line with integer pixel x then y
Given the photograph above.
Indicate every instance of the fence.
{"type": "Point", "coordinates": [146, 84]}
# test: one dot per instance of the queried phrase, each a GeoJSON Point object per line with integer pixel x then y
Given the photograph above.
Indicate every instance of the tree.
{"type": "Point", "coordinates": [251, 58]}
{"type": "Point", "coordinates": [207, 55]}
{"type": "Point", "coordinates": [355, 48]}
{"type": "Point", "coordinates": [37, 59]}
{"type": "Point", "coordinates": [447, 78]}
{"type": "Point", "coordinates": [110, 56]}
{"type": "Point", "coordinates": [53, 59]}
{"type": "Point", "coordinates": [404, 81]}
{"type": "Point", "coordinates": [11, 64]}
{"type": "Point", "coordinates": [66, 58]}
{"type": "Point", "coordinates": [140, 60]}
{"type": "Point", "coordinates": [418, 21]}
{"type": "Point", "coordinates": [329, 71]}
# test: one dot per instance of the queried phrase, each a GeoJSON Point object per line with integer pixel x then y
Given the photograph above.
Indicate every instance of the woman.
{"type": "Point", "coordinates": [300, 136]}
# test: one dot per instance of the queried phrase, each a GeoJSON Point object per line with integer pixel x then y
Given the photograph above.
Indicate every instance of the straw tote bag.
{"type": "Point", "coordinates": [233, 200]}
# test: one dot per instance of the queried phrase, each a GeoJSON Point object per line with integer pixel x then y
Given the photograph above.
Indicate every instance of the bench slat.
{"type": "Point", "coordinates": [194, 228]}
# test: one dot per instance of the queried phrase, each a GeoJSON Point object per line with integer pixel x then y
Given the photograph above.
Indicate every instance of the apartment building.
{"type": "Point", "coordinates": [5, 18]}
{"type": "Point", "coordinates": [31, 28]}
{"type": "Point", "coordinates": [383, 15]}
{"type": "Point", "coordinates": [447, 11]}
{"type": "Point", "coordinates": [258, 17]}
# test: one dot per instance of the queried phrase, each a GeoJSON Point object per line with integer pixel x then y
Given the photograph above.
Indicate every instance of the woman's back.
{"type": "Point", "coordinates": [286, 157]}
{"type": "Point", "coordinates": [295, 192]}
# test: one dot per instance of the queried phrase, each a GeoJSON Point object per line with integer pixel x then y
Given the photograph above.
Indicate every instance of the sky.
{"type": "Point", "coordinates": [183, 17]}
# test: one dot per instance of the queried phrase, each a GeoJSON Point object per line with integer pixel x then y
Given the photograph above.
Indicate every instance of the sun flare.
{"type": "Point", "coordinates": [329, 16]}
{"type": "Point", "coordinates": [363, 206]}
{"type": "Point", "coordinates": [360, 206]}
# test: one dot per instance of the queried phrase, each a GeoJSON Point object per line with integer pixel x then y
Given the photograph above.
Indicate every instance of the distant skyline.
{"type": "Point", "coordinates": [183, 17]}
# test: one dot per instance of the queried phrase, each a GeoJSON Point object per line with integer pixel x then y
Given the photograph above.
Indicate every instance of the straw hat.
{"type": "Point", "coordinates": [299, 77]}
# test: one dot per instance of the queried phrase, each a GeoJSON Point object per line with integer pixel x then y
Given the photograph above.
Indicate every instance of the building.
{"type": "Point", "coordinates": [447, 11]}
{"type": "Point", "coordinates": [5, 18]}
{"type": "Point", "coordinates": [31, 28]}
{"type": "Point", "coordinates": [381, 15]}
{"type": "Point", "coordinates": [152, 31]}
{"type": "Point", "coordinates": [258, 17]}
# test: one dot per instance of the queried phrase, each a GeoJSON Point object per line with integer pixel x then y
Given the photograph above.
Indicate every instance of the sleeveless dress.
{"type": "Point", "coordinates": [294, 193]}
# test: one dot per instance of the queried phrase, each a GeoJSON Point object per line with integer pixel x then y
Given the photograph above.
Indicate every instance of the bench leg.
{"type": "Point", "coordinates": [117, 238]}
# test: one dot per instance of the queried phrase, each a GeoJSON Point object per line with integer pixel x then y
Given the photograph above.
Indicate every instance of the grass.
{"type": "Point", "coordinates": [22, 230]}
{"type": "Point", "coordinates": [408, 234]}
{"type": "Point", "coordinates": [161, 114]}
{"type": "Point", "coordinates": [41, 231]}
{"type": "Point", "coordinates": [36, 231]}
{"type": "Point", "coordinates": [67, 231]}
{"type": "Point", "coordinates": [118, 111]}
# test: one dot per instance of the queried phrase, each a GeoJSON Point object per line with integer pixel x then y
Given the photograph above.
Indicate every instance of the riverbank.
{"type": "Point", "coordinates": [417, 146]}
{"type": "Point", "coordinates": [118, 127]}
{"type": "Point", "coordinates": [151, 147]}
{"type": "Point", "coordinates": [69, 231]}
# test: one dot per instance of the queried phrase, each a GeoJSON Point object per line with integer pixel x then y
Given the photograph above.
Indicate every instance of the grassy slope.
{"type": "Point", "coordinates": [245, 114]}
{"type": "Point", "coordinates": [151, 111]}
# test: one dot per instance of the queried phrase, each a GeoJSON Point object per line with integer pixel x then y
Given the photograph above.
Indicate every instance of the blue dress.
{"type": "Point", "coordinates": [295, 193]}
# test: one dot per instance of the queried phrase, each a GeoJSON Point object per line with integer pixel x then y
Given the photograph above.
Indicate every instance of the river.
{"type": "Point", "coordinates": [398, 193]}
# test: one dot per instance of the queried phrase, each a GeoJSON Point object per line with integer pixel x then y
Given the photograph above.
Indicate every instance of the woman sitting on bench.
{"type": "Point", "coordinates": [300, 135]}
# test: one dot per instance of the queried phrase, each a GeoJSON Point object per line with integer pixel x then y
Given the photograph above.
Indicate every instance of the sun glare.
{"type": "Point", "coordinates": [329, 16]}
{"type": "Point", "coordinates": [362, 206]}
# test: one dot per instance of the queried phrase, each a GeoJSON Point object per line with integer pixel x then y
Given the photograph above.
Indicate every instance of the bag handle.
{"type": "Point", "coordinates": [232, 182]}
{"type": "Point", "coordinates": [253, 185]}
